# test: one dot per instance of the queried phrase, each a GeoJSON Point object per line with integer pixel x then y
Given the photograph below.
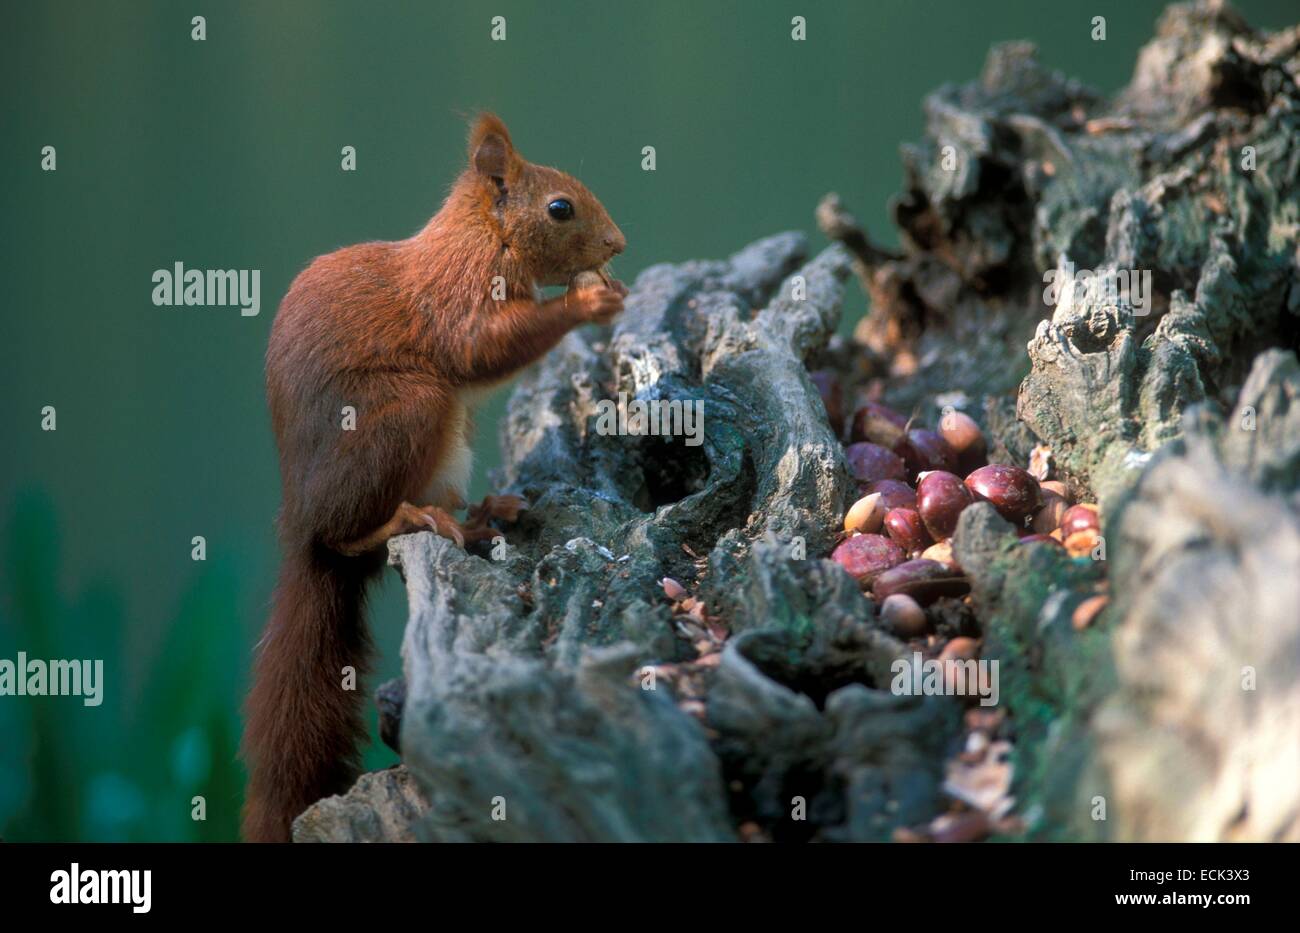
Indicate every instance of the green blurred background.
{"type": "Point", "coordinates": [226, 154]}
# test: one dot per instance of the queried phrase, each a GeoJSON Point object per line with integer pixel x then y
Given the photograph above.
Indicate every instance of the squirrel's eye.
{"type": "Point", "coordinates": [560, 209]}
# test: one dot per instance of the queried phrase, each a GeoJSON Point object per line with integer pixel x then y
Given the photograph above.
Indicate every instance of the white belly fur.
{"type": "Point", "coordinates": [453, 475]}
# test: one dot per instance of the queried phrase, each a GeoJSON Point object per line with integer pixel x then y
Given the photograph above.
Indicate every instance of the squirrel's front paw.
{"type": "Point", "coordinates": [595, 305]}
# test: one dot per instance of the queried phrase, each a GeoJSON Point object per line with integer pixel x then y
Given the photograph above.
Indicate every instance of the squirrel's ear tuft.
{"type": "Point", "coordinates": [490, 150]}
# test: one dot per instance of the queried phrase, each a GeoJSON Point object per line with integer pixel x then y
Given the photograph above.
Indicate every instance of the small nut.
{"type": "Point", "coordinates": [870, 462]}
{"type": "Point", "coordinates": [960, 649]}
{"type": "Point", "coordinates": [923, 450]}
{"type": "Point", "coordinates": [1087, 611]}
{"type": "Point", "coordinates": [592, 278]}
{"type": "Point", "coordinates": [923, 580]}
{"type": "Point", "coordinates": [940, 498]}
{"type": "Point", "coordinates": [1055, 486]}
{"type": "Point", "coordinates": [906, 528]}
{"type": "Point", "coordinates": [877, 424]}
{"type": "Point", "coordinates": [1081, 543]}
{"type": "Point", "coordinates": [961, 432]}
{"type": "Point", "coordinates": [867, 556]}
{"type": "Point", "coordinates": [966, 439]}
{"type": "Point", "coordinates": [865, 515]}
{"type": "Point", "coordinates": [894, 493]}
{"type": "Point", "coordinates": [1080, 517]}
{"type": "Point", "coordinates": [903, 616]}
{"type": "Point", "coordinates": [941, 552]}
{"type": "Point", "coordinates": [1049, 516]}
{"type": "Point", "coordinates": [1011, 490]}
{"type": "Point", "coordinates": [672, 589]}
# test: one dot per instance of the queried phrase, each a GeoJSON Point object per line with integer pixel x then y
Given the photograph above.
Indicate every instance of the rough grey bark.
{"type": "Point", "coordinates": [527, 674]}
{"type": "Point", "coordinates": [527, 671]}
{"type": "Point", "coordinates": [524, 690]}
{"type": "Point", "coordinates": [383, 806]}
{"type": "Point", "coordinates": [1202, 739]}
{"type": "Point", "coordinates": [1193, 173]}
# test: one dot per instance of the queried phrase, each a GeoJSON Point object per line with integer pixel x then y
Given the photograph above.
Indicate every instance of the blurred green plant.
{"type": "Point", "coordinates": [168, 727]}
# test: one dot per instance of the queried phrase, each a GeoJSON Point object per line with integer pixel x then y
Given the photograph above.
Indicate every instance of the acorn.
{"type": "Point", "coordinates": [1011, 490]}
{"type": "Point", "coordinates": [894, 493]}
{"type": "Point", "coordinates": [672, 589]}
{"type": "Point", "coordinates": [903, 616]}
{"type": "Point", "coordinates": [870, 462]}
{"type": "Point", "coordinates": [908, 531]}
{"type": "Point", "coordinates": [1081, 543]}
{"type": "Point", "coordinates": [590, 278]}
{"type": "Point", "coordinates": [923, 580]}
{"type": "Point", "coordinates": [1055, 486]}
{"type": "Point", "coordinates": [865, 515]}
{"type": "Point", "coordinates": [1086, 612]}
{"type": "Point", "coordinates": [940, 498]}
{"type": "Point", "coordinates": [942, 552]}
{"type": "Point", "coordinates": [1083, 517]}
{"type": "Point", "coordinates": [867, 556]}
{"type": "Point", "coordinates": [828, 387]}
{"type": "Point", "coordinates": [924, 450]}
{"type": "Point", "coordinates": [1049, 516]}
{"type": "Point", "coordinates": [965, 438]}
{"type": "Point", "coordinates": [877, 424]}
{"type": "Point", "coordinates": [960, 649]}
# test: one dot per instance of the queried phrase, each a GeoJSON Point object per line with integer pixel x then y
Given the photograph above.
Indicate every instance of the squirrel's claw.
{"type": "Point", "coordinates": [441, 523]}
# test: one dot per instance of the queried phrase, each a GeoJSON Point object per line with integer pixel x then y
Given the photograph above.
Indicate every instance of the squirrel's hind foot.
{"type": "Point", "coordinates": [504, 508]}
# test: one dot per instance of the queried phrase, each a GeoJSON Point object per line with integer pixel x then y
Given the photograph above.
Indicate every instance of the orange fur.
{"type": "Point", "coordinates": [398, 330]}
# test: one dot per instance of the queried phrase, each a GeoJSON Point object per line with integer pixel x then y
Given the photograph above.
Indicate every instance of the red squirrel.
{"type": "Point", "coordinates": [406, 333]}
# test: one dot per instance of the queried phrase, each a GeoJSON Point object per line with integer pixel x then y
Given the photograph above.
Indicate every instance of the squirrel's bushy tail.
{"type": "Point", "coordinates": [303, 728]}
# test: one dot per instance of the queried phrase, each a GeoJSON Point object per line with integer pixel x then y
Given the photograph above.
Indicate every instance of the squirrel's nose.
{"type": "Point", "coordinates": [616, 242]}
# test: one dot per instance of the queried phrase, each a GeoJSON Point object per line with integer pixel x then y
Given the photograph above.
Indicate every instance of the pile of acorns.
{"type": "Point", "coordinates": [913, 484]}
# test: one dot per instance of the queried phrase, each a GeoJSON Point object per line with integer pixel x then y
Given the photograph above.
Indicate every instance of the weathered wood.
{"type": "Point", "coordinates": [526, 671]}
